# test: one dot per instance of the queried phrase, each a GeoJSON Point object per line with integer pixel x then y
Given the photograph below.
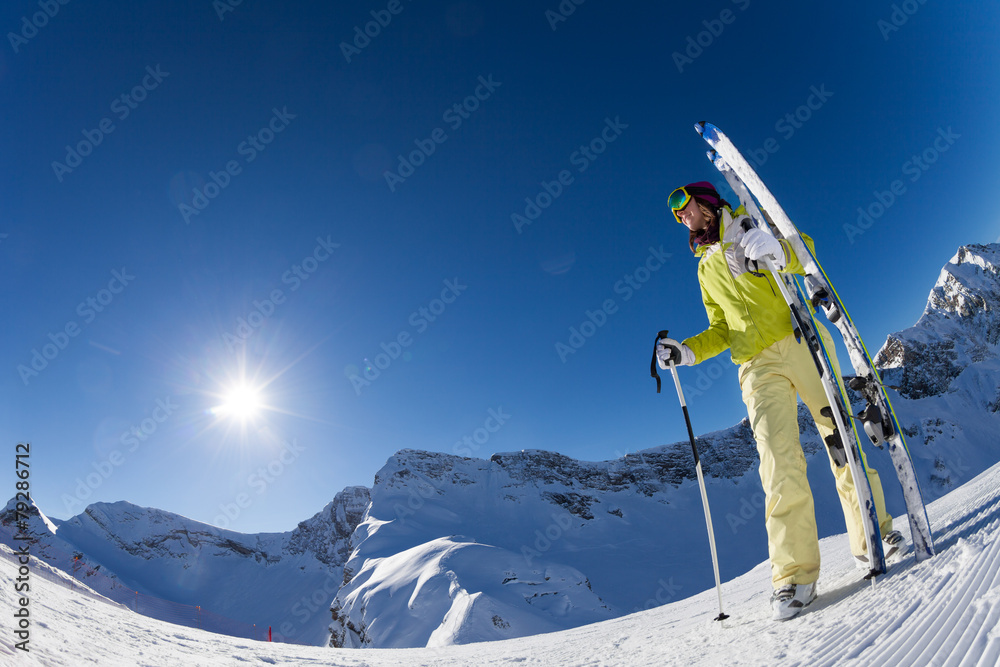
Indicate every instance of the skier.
{"type": "Point", "coordinates": [748, 316]}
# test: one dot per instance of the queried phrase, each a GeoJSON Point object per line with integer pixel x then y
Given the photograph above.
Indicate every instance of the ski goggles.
{"type": "Point", "coordinates": [678, 199]}
{"type": "Point", "coordinates": [682, 196]}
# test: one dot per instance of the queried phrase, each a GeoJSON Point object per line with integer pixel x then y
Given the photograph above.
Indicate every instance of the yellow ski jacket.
{"type": "Point", "coordinates": [746, 313]}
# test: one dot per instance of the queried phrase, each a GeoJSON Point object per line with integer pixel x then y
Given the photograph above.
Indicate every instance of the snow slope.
{"type": "Point", "coordinates": [284, 580]}
{"type": "Point", "coordinates": [944, 611]}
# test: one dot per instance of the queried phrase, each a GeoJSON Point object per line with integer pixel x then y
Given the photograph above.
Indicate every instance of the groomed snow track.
{"type": "Point", "coordinates": [942, 611]}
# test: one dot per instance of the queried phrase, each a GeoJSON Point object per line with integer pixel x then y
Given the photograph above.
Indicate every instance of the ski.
{"type": "Point", "coordinates": [844, 442]}
{"type": "Point", "coordinates": [878, 418]}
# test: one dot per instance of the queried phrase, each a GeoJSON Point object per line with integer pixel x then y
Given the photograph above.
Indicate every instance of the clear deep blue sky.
{"type": "Point", "coordinates": [263, 101]}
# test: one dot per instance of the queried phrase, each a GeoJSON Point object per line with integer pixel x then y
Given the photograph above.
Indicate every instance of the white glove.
{"type": "Point", "coordinates": [758, 244]}
{"type": "Point", "coordinates": [668, 348]}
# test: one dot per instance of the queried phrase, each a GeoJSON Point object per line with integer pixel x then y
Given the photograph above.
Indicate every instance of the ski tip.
{"type": "Point", "coordinates": [708, 132]}
{"type": "Point", "coordinates": [717, 160]}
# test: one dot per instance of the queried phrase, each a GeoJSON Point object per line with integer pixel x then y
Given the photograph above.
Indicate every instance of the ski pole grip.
{"type": "Point", "coordinates": [751, 266]}
{"type": "Point", "coordinates": [652, 362]}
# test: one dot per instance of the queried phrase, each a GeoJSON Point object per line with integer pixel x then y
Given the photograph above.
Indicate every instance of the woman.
{"type": "Point", "coordinates": [748, 316]}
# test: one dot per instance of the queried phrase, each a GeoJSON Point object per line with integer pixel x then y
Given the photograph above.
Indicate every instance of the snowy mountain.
{"type": "Point", "coordinates": [943, 611]}
{"type": "Point", "coordinates": [528, 542]}
{"type": "Point", "coordinates": [451, 550]}
{"type": "Point", "coordinates": [959, 328]}
{"type": "Point", "coordinates": [266, 579]}
{"type": "Point", "coordinates": [946, 369]}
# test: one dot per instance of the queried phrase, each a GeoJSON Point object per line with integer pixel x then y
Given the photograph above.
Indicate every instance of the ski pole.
{"type": "Point", "coordinates": [701, 482]}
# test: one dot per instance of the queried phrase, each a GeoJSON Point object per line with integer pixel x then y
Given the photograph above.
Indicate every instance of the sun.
{"type": "Point", "coordinates": [240, 402]}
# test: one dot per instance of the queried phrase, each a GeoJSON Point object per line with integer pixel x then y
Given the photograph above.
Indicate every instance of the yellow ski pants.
{"type": "Point", "coordinates": [769, 382]}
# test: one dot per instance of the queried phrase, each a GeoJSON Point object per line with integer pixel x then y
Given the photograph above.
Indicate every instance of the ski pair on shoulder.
{"type": "Point", "coordinates": [878, 418]}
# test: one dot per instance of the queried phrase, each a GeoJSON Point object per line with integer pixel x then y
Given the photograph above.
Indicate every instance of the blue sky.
{"type": "Point", "coordinates": [197, 193]}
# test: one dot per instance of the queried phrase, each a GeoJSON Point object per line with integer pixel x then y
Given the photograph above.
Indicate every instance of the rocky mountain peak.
{"type": "Point", "coordinates": [328, 534]}
{"type": "Point", "coordinates": [960, 326]}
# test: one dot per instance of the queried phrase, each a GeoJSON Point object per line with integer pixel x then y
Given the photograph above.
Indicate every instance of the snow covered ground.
{"type": "Point", "coordinates": [945, 611]}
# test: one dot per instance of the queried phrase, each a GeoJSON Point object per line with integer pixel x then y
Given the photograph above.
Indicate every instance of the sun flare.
{"type": "Point", "coordinates": [241, 402]}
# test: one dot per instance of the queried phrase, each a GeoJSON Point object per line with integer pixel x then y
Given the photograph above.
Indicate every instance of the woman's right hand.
{"type": "Point", "coordinates": [668, 349]}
